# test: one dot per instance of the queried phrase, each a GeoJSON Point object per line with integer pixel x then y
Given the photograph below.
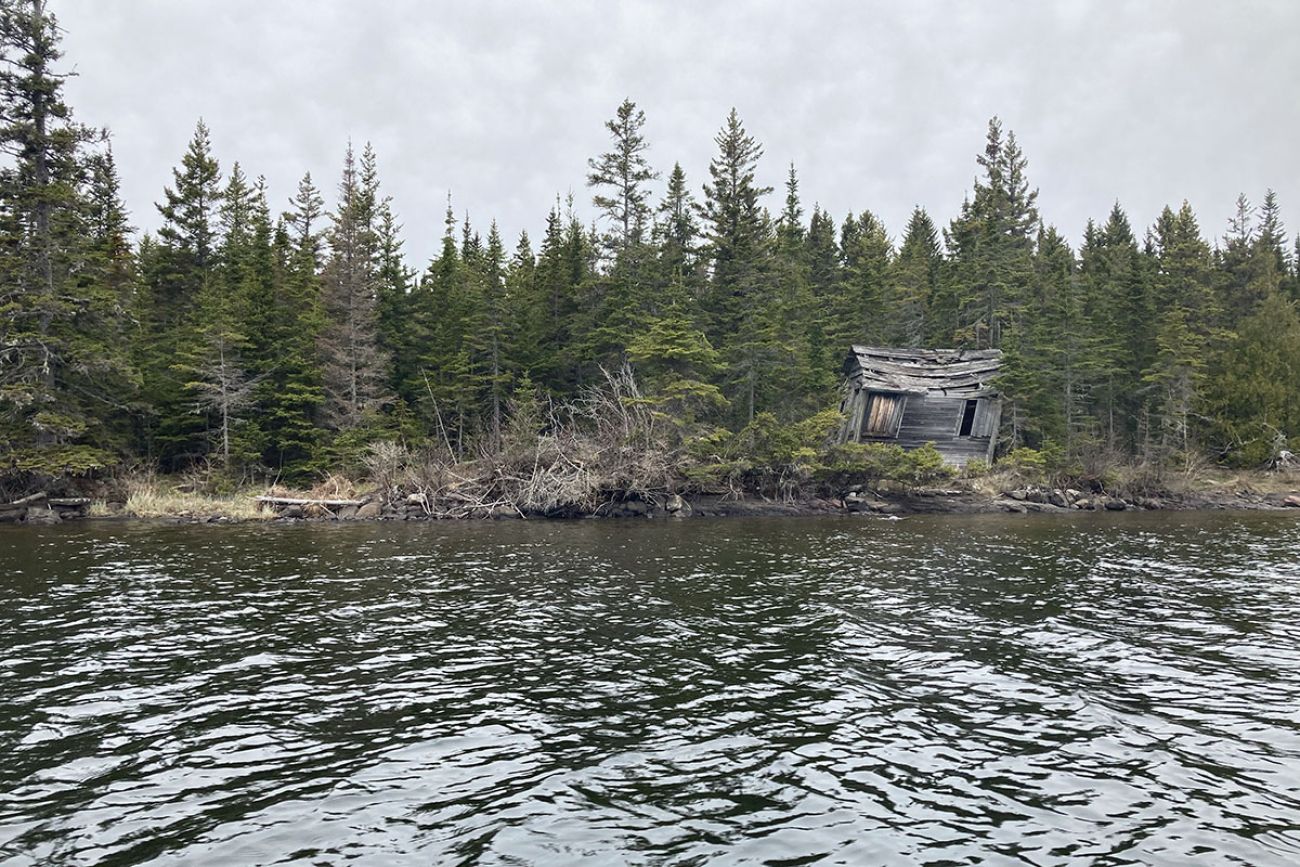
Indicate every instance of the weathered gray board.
{"type": "Point", "coordinates": [935, 385]}
{"type": "Point", "coordinates": [938, 420]}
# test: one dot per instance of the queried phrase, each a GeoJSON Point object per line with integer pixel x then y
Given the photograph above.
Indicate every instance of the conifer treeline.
{"type": "Point", "coordinates": [269, 343]}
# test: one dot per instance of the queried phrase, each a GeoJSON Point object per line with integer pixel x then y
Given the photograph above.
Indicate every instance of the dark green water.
{"type": "Point", "coordinates": [1003, 690]}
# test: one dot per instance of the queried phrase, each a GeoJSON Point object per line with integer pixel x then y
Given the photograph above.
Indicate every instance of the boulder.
{"type": "Point", "coordinates": [369, 510]}
{"type": "Point", "coordinates": [1083, 503]}
{"type": "Point", "coordinates": [1058, 499]}
{"type": "Point", "coordinates": [1018, 495]}
{"type": "Point", "coordinates": [1115, 504]}
{"type": "Point", "coordinates": [677, 507]}
{"type": "Point", "coordinates": [314, 510]}
{"type": "Point", "coordinates": [347, 512]}
{"type": "Point", "coordinates": [292, 512]}
{"type": "Point", "coordinates": [1015, 506]}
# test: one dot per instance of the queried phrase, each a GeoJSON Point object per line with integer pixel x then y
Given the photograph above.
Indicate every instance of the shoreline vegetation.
{"type": "Point", "coordinates": [1251, 491]}
{"type": "Point", "coordinates": [150, 498]}
{"type": "Point", "coordinates": [673, 342]}
{"type": "Point", "coordinates": [612, 455]}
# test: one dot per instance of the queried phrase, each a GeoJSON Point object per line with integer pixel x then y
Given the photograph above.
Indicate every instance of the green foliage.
{"type": "Point", "coordinates": [850, 464]}
{"type": "Point", "coordinates": [61, 461]}
{"type": "Point", "coordinates": [1028, 464]}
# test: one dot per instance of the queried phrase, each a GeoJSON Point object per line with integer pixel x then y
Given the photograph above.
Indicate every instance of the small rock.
{"type": "Point", "coordinates": [292, 512]}
{"type": "Point", "coordinates": [1292, 500]}
{"type": "Point", "coordinates": [1115, 504]}
{"type": "Point", "coordinates": [1149, 503]}
{"type": "Point", "coordinates": [369, 510]}
{"type": "Point", "coordinates": [1019, 495]}
{"type": "Point", "coordinates": [314, 510]}
{"type": "Point", "coordinates": [347, 512]}
{"type": "Point", "coordinates": [674, 503]}
{"type": "Point", "coordinates": [1083, 503]}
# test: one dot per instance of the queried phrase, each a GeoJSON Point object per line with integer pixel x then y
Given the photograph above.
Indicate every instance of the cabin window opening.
{"type": "Point", "coordinates": [883, 415]}
{"type": "Point", "coordinates": [968, 418]}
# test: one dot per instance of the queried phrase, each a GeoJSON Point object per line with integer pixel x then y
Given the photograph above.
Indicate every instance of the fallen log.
{"type": "Point", "coordinates": [24, 501]}
{"type": "Point", "coordinates": [299, 501]}
{"type": "Point", "coordinates": [69, 502]}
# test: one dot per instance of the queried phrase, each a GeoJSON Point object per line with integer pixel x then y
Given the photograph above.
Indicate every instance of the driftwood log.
{"type": "Point", "coordinates": [298, 501]}
{"type": "Point", "coordinates": [24, 501]}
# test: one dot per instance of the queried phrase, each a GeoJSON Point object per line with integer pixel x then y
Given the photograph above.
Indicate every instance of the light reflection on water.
{"type": "Point", "coordinates": [1093, 690]}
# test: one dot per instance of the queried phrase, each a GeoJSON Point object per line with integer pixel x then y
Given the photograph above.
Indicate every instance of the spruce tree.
{"type": "Point", "coordinates": [55, 328]}
{"type": "Point", "coordinates": [214, 358]}
{"type": "Point", "coordinates": [355, 369]}
{"type": "Point", "coordinates": [677, 235]}
{"type": "Point", "coordinates": [911, 282]}
{"type": "Point", "coordinates": [1118, 314]}
{"type": "Point", "coordinates": [177, 271]}
{"type": "Point", "coordinates": [1185, 332]}
{"type": "Point", "coordinates": [109, 283]}
{"type": "Point", "coordinates": [750, 318]}
{"type": "Point", "coordinates": [620, 176]}
{"type": "Point", "coordinates": [293, 393]}
{"type": "Point", "coordinates": [992, 243]}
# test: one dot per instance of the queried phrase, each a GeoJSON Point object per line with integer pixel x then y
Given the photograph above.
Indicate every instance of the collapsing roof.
{"type": "Point", "coordinates": [966, 373]}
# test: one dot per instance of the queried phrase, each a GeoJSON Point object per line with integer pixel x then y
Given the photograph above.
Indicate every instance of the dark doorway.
{"type": "Point", "coordinates": [968, 418]}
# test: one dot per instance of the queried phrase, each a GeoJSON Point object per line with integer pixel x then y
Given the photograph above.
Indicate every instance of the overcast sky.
{"type": "Point", "coordinates": [879, 105]}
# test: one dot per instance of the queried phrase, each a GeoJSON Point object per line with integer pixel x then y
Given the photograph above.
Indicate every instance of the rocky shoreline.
{"type": "Point", "coordinates": [858, 502]}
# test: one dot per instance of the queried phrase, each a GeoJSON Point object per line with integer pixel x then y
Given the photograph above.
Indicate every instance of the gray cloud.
{"type": "Point", "coordinates": [879, 105]}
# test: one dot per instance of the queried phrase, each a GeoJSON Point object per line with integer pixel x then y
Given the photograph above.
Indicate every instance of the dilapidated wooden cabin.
{"type": "Point", "coordinates": [914, 396]}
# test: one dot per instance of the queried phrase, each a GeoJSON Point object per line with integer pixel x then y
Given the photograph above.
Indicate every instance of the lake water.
{"type": "Point", "coordinates": [1101, 689]}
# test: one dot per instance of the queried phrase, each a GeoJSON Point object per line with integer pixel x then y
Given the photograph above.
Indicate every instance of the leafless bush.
{"type": "Point", "coordinates": [576, 457]}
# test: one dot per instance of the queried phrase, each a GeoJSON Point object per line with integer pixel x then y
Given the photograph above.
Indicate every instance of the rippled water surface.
{"type": "Point", "coordinates": [1100, 690]}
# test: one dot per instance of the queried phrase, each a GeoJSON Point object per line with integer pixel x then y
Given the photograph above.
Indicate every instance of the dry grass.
{"type": "Point", "coordinates": [151, 497]}
{"type": "Point", "coordinates": [1264, 482]}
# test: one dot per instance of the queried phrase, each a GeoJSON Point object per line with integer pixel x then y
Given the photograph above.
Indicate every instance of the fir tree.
{"type": "Point", "coordinates": [677, 365]}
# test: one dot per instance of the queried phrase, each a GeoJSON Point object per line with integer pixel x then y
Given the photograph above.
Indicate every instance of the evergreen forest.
{"type": "Point", "coordinates": [263, 337]}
